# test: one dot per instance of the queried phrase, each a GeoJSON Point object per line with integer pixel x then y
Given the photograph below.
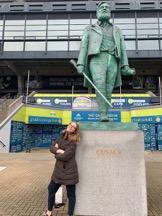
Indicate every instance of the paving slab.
{"type": "Point", "coordinates": [23, 184]}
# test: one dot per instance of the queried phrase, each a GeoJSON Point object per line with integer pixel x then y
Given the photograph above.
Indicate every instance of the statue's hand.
{"type": "Point", "coordinates": [80, 69]}
{"type": "Point", "coordinates": [126, 70]}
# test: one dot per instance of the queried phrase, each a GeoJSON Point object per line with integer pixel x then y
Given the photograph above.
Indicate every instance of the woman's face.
{"type": "Point", "coordinates": [71, 127]}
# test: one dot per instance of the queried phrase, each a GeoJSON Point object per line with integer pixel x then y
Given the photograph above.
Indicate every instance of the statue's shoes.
{"type": "Point", "coordinates": [104, 118]}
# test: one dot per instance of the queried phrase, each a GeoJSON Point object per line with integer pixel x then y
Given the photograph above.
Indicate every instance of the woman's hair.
{"type": "Point", "coordinates": [75, 136]}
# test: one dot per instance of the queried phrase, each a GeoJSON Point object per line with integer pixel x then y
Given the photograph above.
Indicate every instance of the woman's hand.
{"type": "Point", "coordinates": [60, 151]}
{"type": "Point", "coordinates": [56, 145]}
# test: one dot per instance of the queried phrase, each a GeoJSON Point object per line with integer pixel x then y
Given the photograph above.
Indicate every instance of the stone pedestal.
{"type": "Point", "coordinates": [112, 171]}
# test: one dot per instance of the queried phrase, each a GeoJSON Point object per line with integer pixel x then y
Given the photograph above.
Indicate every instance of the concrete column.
{"type": "Point", "coordinates": [20, 82]}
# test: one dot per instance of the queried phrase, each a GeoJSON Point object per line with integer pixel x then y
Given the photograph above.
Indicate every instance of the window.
{"type": "Point", "coordinates": [148, 45]}
{"type": "Point", "coordinates": [124, 20]}
{"type": "Point", "coordinates": [35, 46]}
{"type": "Point", "coordinates": [147, 33]}
{"type": "Point", "coordinates": [74, 45]}
{"type": "Point", "coordinates": [57, 46]}
{"type": "Point", "coordinates": [14, 28]}
{"type": "Point", "coordinates": [36, 28]}
{"type": "Point", "coordinates": [13, 46]}
{"type": "Point", "coordinates": [147, 20]}
{"type": "Point", "coordinates": [57, 28]}
{"type": "Point", "coordinates": [147, 27]}
{"type": "Point", "coordinates": [127, 26]}
{"type": "Point", "coordinates": [130, 45]}
{"type": "Point", "coordinates": [77, 26]}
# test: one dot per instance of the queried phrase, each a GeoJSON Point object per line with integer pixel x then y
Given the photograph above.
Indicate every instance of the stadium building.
{"type": "Point", "coordinates": [37, 41]}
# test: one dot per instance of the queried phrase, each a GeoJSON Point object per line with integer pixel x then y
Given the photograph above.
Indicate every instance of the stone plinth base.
{"type": "Point", "coordinates": [112, 173]}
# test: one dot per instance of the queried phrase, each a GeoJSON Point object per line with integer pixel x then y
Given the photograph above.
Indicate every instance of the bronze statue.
{"type": "Point", "coordinates": [103, 58]}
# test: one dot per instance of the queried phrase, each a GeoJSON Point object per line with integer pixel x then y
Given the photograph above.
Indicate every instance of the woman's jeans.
{"type": "Point", "coordinates": [53, 188]}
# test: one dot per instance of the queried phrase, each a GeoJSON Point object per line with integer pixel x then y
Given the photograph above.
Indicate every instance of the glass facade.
{"type": "Point", "coordinates": [57, 29]}
{"type": "Point", "coordinates": [53, 32]}
{"type": "Point", "coordinates": [127, 25]}
{"type": "Point", "coordinates": [35, 29]}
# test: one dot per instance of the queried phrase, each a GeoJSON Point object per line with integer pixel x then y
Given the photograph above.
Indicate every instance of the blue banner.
{"type": "Point", "coordinates": [93, 116]}
{"type": "Point", "coordinates": [130, 102]}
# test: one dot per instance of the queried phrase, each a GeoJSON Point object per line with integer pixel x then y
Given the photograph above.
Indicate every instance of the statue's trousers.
{"type": "Point", "coordinates": [103, 69]}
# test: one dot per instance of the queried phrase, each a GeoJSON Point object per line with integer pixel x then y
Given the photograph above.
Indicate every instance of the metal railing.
{"type": "Point", "coordinates": [14, 105]}
{"type": "Point", "coordinates": [12, 109]}
{"type": "Point", "coordinates": [8, 105]}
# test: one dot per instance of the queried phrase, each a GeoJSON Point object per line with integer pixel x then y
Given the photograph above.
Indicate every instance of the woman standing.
{"type": "Point", "coordinates": [65, 171]}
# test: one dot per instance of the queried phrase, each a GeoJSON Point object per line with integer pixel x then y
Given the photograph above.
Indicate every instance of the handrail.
{"type": "Point", "coordinates": [10, 116]}
{"type": "Point", "coordinates": [15, 101]}
{"type": "Point", "coordinates": [32, 93]}
{"type": "Point", "coordinates": [7, 109]}
{"type": "Point", "coordinates": [12, 108]}
{"type": "Point", "coordinates": [2, 144]}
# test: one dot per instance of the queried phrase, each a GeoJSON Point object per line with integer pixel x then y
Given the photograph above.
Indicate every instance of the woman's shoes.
{"type": "Point", "coordinates": [59, 205]}
{"type": "Point", "coordinates": [45, 214]}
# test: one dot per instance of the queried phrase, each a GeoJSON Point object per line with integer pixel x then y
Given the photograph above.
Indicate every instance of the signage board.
{"type": "Point", "coordinates": [87, 103]}
{"type": "Point", "coordinates": [93, 116]}
{"type": "Point", "coordinates": [44, 120]}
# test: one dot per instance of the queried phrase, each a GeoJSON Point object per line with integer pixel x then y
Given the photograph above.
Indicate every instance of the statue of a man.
{"type": "Point", "coordinates": [103, 57]}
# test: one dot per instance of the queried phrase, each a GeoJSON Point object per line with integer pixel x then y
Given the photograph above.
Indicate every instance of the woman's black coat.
{"type": "Point", "coordinates": [65, 171]}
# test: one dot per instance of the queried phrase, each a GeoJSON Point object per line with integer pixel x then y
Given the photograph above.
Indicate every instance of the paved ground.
{"type": "Point", "coordinates": [23, 184]}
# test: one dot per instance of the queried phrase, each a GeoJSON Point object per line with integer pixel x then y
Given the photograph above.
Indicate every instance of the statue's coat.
{"type": "Point", "coordinates": [90, 45]}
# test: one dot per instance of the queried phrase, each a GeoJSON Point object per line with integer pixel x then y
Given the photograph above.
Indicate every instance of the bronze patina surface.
{"type": "Point", "coordinates": [103, 57]}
